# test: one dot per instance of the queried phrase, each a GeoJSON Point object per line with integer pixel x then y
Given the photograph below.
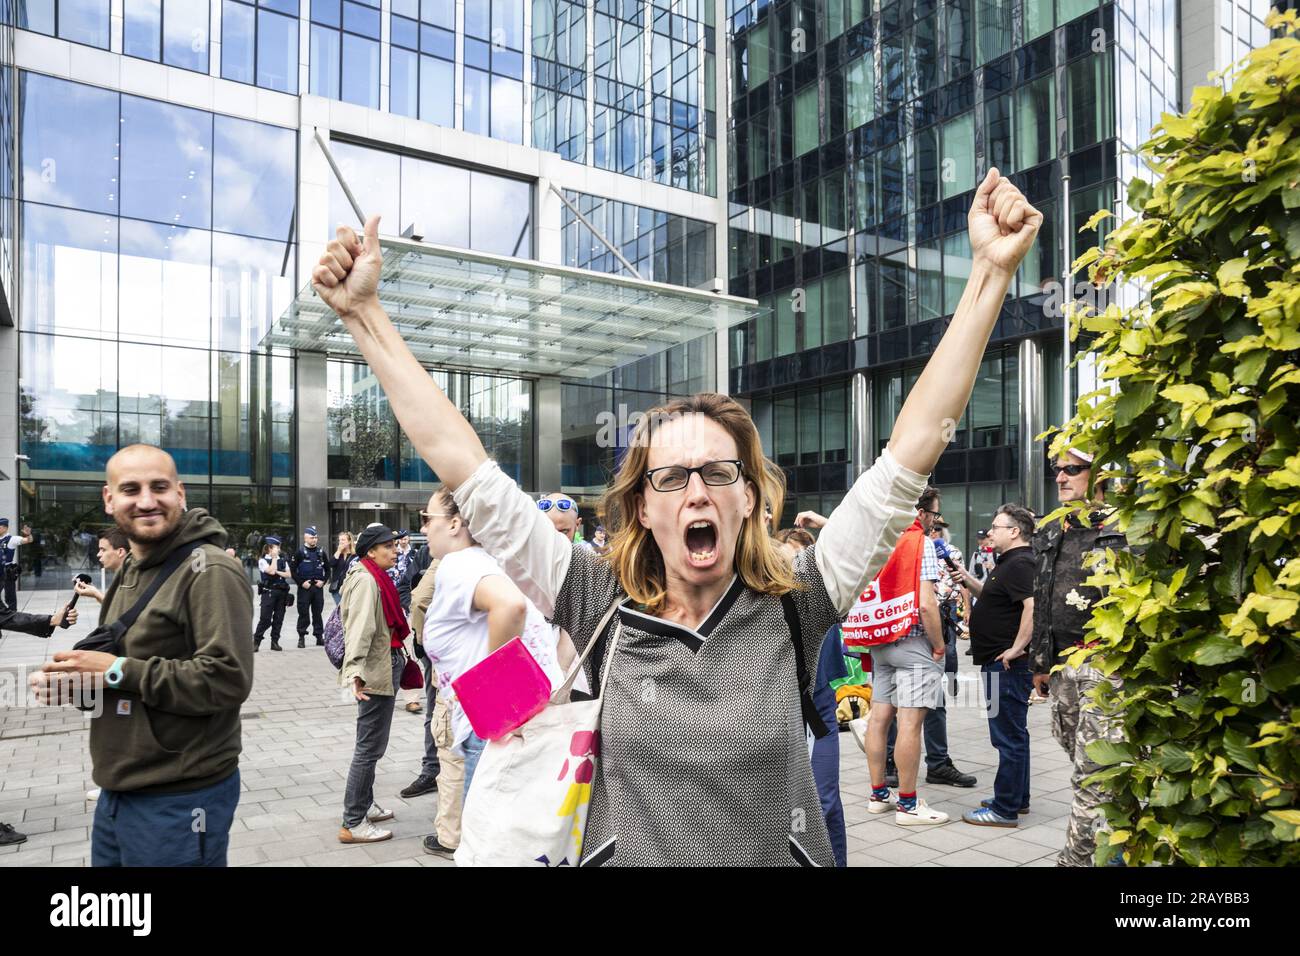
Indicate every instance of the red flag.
{"type": "Point", "coordinates": [890, 606]}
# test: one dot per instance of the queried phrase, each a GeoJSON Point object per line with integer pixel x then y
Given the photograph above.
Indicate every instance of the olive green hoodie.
{"type": "Point", "coordinates": [172, 725]}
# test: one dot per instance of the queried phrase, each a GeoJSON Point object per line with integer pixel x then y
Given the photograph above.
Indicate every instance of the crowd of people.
{"type": "Point", "coordinates": [682, 588]}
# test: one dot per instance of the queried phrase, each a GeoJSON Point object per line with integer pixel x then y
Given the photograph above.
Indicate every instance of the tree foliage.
{"type": "Point", "coordinates": [1200, 419]}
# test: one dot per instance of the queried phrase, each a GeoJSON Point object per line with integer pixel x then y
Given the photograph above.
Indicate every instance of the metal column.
{"type": "Point", "coordinates": [1031, 423]}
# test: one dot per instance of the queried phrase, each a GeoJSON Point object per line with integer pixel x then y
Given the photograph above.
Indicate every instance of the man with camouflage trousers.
{"type": "Point", "coordinates": [1062, 607]}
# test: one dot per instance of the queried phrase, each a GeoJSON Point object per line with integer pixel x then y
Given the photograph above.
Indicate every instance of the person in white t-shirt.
{"type": "Point", "coordinates": [475, 610]}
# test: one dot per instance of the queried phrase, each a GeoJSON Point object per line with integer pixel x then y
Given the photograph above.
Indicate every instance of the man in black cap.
{"type": "Point", "coordinates": [273, 592]}
{"type": "Point", "coordinates": [9, 569]}
{"type": "Point", "coordinates": [311, 572]}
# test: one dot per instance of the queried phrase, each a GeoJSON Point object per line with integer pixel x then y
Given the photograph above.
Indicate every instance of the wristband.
{"type": "Point", "coordinates": [113, 676]}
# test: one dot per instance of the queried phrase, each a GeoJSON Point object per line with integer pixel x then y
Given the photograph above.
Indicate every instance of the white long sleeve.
{"type": "Point", "coordinates": [509, 526]}
{"type": "Point", "coordinates": [862, 532]}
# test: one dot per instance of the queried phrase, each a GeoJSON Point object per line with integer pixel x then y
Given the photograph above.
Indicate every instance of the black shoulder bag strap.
{"type": "Point", "coordinates": [108, 637]}
{"type": "Point", "coordinates": [810, 715]}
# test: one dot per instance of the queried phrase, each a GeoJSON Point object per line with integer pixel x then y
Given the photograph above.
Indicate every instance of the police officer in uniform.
{"type": "Point", "coordinates": [1062, 606]}
{"type": "Point", "coordinates": [311, 571]}
{"type": "Point", "coordinates": [273, 592]}
{"type": "Point", "coordinates": [9, 569]}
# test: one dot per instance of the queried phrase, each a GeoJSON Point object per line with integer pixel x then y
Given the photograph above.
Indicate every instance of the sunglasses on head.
{"type": "Point", "coordinates": [563, 504]}
{"type": "Point", "coordinates": [1071, 470]}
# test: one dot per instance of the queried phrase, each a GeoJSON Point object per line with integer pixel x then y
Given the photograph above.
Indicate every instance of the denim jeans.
{"type": "Point", "coordinates": [429, 766]}
{"type": "Point", "coordinates": [164, 829]}
{"type": "Point", "coordinates": [374, 722]}
{"type": "Point", "coordinates": [474, 745]}
{"type": "Point", "coordinates": [1006, 694]}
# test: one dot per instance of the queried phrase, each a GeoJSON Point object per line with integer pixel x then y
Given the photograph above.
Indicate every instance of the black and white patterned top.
{"type": "Point", "coordinates": [704, 755]}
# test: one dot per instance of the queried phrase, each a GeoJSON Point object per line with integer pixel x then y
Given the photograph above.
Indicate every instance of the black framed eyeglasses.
{"type": "Point", "coordinates": [1071, 470]}
{"type": "Point", "coordinates": [676, 477]}
{"type": "Point", "coordinates": [562, 504]}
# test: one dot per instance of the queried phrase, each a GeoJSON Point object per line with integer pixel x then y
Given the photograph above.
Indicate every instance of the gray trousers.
{"type": "Point", "coordinates": [374, 722]}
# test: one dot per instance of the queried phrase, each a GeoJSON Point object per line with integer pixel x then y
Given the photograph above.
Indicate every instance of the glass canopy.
{"type": "Point", "coordinates": [479, 311]}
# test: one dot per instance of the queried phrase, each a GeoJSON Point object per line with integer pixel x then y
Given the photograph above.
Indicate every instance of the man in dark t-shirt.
{"type": "Point", "coordinates": [1001, 625]}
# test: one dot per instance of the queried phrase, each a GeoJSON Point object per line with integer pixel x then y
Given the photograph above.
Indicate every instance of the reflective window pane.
{"type": "Point", "coordinates": [84, 21]}
{"type": "Point", "coordinates": [507, 110]}
{"type": "Point", "coordinates": [958, 155]}
{"type": "Point", "coordinates": [165, 402]}
{"type": "Point", "coordinates": [163, 283]}
{"type": "Point", "coordinates": [324, 72]}
{"type": "Point", "coordinates": [375, 179]}
{"type": "Point", "coordinates": [360, 71]}
{"type": "Point", "coordinates": [277, 52]}
{"type": "Point", "coordinates": [476, 102]}
{"type": "Point", "coordinates": [437, 83]}
{"type": "Point", "coordinates": [501, 215]}
{"type": "Point", "coordinates": [253, 178]}
{"type": "Point", "coordinates": [37, 15]}
{"type": "Point", "coordinates": [68, 406]}
{"type": "Point", "coordinates": [185, 34]}
{"type": "Point", "coordinates": [70, 144]}
{"type": "Point", "coordinates": [166, 163]}
{"type": "Point", "coordinates": [142, 28]}
{"type": "Point", "coordinates": [237, 37]}
{"type": "Point", "coordinates": [69, 272]}
{"type": "Point", "coordinates": [436, 201]}
{"type": "Point", "coordinates": [404, 82]}
{"type": "Point", "coordinates": [248, 291]}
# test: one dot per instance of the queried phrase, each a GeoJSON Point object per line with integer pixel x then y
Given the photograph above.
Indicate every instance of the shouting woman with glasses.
{"type": "Point", "coordinates": [697, 767]}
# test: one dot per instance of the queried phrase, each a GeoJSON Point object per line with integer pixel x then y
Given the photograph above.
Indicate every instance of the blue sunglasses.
{"type": "Point", "coordinates": [564, 504]}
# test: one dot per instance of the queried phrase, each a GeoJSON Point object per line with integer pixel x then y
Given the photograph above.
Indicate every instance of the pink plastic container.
{"type": "Point", "coordinates": [503, 691]}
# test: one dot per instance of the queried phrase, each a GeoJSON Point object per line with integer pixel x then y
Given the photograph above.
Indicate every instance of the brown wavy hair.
{"type": "Point", "coordinates": [633, 553]}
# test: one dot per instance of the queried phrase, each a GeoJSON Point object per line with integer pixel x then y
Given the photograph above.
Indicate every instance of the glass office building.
{"type": "Point", "coordinates": [858, 133]}
{"type": "Point", "coordinates": [163, 197]}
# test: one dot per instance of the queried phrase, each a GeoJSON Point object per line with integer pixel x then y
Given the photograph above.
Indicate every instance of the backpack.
{"type": "Point", "coordinates": [334, 638]}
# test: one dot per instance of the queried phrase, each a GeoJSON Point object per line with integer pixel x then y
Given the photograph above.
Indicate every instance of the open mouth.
{"type": "Point", "coordinates": [701, 543]}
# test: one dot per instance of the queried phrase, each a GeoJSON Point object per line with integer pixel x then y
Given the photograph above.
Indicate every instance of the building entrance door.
{"type": "Point", "coordinates": [355, 516]}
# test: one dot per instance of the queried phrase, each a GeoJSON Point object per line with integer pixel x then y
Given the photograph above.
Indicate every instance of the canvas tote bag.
{"type": "Point", "coordinates": [532, 789]}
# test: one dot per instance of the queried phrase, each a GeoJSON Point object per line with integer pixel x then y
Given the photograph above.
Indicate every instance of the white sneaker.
{"type": "Point", "coordinates": [366, 833]}
{"type": "Point", "coordinates": [93, 794]}
{"type": "Point", "coordinates": [922, 816]}
{"type": "Point", "coordinates": [377, 814]}
{"type": "Point", "coordinates": [858, 728]}
{"type": "Point", "coordinates": [880, 806]}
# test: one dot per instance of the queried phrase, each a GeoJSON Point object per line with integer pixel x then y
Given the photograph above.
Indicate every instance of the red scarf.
{"type": "Point", "coordinates": [889, 606]}
{"type": "Point", "coordinates": [393, 614]}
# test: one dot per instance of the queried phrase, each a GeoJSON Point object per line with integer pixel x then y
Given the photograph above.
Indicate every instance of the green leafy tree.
{"type": "Point", "coordinates": [1201, 420]}
{"type": "Point", "coordinates": [368, 436]}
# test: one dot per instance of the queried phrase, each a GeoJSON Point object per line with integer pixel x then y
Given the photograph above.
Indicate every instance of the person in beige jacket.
{"type": "Point", "coordinates": [374, 630]}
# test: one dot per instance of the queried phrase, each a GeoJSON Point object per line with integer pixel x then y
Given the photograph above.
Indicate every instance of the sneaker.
{"type": "Point", "coordinates": [9, 836]}
{"type": "Point", "coordinates": [880, 806]}
{"type": "Point", "coordinates": [433, 847]}
{"type": "Point", "coordinates": [858, 728]}
{"type": "Point", "coordinates": [891, 776]}
{"type": "Point", "coordinates": [947, 773]}
{"type": "Point", "coordinates": [989, 803]}
{"type": "Point", "coordinates": [423, 784]}
{"type": "Point", "coordinates": [922, 816]}
{"type": "Point", "coordinates": [377, 814]}
{"type": "Point", "coordinates": [302, 642]}
{"type": "Point", "coordinates": [366, 833]}
{"type": "Point", "coordinates": [987, 817]}
{"type": "Point", "coordinates": [93, 794]}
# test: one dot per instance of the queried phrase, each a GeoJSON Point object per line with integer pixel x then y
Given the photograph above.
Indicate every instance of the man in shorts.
{"type": "Point", "coordinates": [907, 680]}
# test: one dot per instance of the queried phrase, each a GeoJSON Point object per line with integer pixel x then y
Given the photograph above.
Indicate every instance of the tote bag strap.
{"type": "Point", "coordinates": [561, 693]}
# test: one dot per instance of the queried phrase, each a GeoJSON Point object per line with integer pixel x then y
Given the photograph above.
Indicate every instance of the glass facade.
{"type": "Point", "coordinates": [858, 132]}
{"type": "Point", "coordinates": [259, 43]}
{"type": "Point", "coordinates": [422, 65]}
{"type": "Point", "coordinates": [81, 21]}
{"type": "Point", "coordinates": [445, 204]}
{"type": "Point", "coordinates": [367, 449]}
{"type": "Point", "coordinates": [174, 32]}
{"type": "Point", "coordinates": [661, 246]}
{"type": "Point", "coordinates": [143, 300]}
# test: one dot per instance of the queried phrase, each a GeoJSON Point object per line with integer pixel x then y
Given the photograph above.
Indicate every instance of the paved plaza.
{"type": "Point", "coordinates": [298, 735]}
